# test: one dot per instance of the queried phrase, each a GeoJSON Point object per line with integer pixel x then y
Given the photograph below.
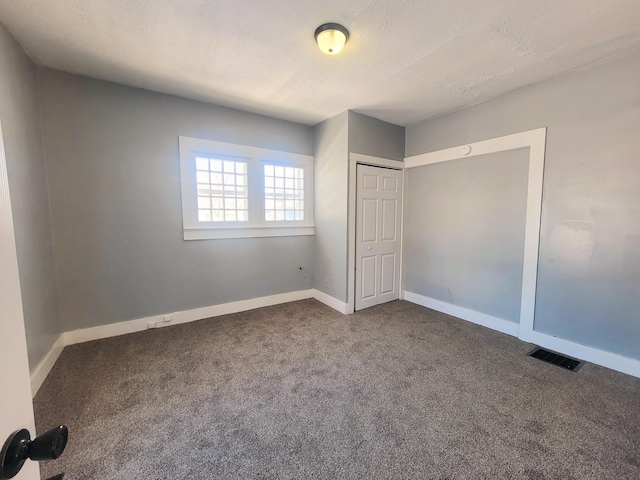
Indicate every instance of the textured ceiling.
{"type": "Point", "coordinates": [406, 60]}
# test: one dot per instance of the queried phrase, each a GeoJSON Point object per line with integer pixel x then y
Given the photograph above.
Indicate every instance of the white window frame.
{"type": "Point", "coordinates": [256, 158]}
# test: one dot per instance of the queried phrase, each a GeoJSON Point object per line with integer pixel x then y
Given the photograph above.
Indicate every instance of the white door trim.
{"type": "Point", "coordinates": [354, 160]}
{"type": "Point", "coordinates": [376, 161]}
{"type": "Point", "coordinates": [16, 407]}
{"type": "Point", "coordinates": [535, 141]}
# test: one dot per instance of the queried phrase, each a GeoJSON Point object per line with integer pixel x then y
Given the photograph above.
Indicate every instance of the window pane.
{"type": "Point", "coordinates": [223, 192]}
{"type": "Point", "coordinates": [204, 189]}
{"type": "Point", "coordinates": [204, 215]}
{"type": "Point", "coordinates": [216, 178]}
{"type": "Point", "coordinates": [204, 202]}
{"type": "Point", "coordinates": [299, 215]}
{"type": "Point", "coordinates": [202, 163]}
{"type": "Point", "coordinates": [216, 165]}
{"type": "Point", "coordinates": [202, 177]}
{"type": "Point", "coordinates": [283, 184]}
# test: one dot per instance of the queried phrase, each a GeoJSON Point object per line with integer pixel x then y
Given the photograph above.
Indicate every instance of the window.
{"type": "Point", "coordinates": [283, 193]}
{"type": "Point", "coordinates": [236, 191]}
{"type": "Point", "coordinates": [223, 195]}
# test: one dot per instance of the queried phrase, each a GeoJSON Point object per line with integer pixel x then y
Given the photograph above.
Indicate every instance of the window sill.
{"type": "Point", "coordinates": [247, 232]}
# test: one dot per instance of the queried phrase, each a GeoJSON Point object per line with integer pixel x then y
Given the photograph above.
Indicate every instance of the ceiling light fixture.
{"type": "Point", "coordinates": [331, 37]}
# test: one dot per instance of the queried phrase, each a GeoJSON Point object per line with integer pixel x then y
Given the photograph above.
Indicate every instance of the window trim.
{"type": "Point", "coordinates": [256, 158]}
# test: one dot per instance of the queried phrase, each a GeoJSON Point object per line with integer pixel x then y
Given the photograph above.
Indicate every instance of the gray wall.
{"type": "Point", "coordinates": [113, 167]}
{"type": "Point", "coordinates": [27, 182]}
{"type": "Point", "coordinates": [370, 136]}
{"type": "Point", "coordinates": [464, 232]}
{"type": "Point", "coordinates": [589, 264]}
{"type": "Point", "coordinates": [331, 157]}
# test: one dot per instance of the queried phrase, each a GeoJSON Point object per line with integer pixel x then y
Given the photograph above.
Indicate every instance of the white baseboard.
{"type": "Point", "coordinates": [40, 372]}
{"type": "Point", "coordinates": [627, 365]}
{"type": "Point", "coordinates": [331, 302]}
{"type": "Point", "coordinates": [620, 363]}
{"type": "Point", "coordinates": [185, 316]}
{"type": "Point", "coordinates": [495, 323]}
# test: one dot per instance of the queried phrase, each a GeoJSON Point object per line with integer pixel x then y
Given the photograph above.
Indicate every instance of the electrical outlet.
{"type": "Point", "coordinates": [160, 323]}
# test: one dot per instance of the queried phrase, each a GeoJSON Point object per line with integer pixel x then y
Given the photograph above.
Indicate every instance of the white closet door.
{"type": "Point", "coordinates": [378, 211]}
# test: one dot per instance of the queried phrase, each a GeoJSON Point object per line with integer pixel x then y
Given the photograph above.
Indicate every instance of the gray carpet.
{"type": "Point", "coordinates": [300, 391]}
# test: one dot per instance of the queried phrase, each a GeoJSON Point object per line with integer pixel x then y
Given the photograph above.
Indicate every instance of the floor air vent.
{"type": "Point", "coordinates": [556, 359]}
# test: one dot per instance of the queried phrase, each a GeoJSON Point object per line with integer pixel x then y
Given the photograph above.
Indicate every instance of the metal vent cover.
{"type": "Point", "coordinates": [557, 359]}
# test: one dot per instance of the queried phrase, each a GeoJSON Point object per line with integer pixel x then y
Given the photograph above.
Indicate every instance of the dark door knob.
{"type": "Point", "coordinates": [19, 447]}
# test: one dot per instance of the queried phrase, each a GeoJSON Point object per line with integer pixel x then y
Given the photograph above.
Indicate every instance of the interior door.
{"type": "Point", "coordinates": [378, 213]}
{"type": "Point", "coordinates": [16, 407]}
